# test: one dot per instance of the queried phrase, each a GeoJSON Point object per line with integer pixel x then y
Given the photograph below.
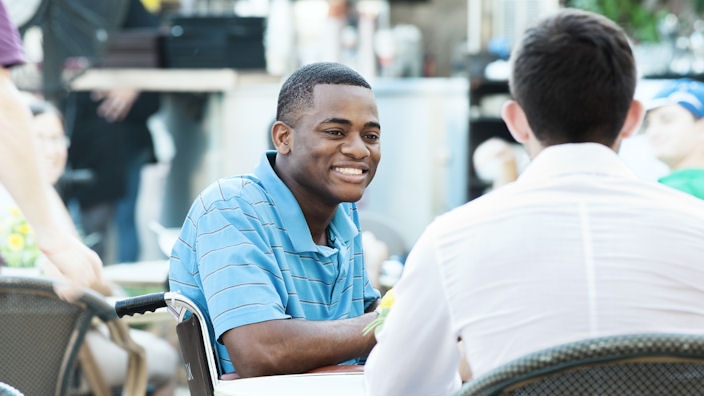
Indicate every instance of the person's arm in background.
{"type": "Point", "coordinates": [115, 104]}
{"type": "Point", "coordinates": [20, 174]}
{"type": "Point", "coordinates": [65, 221]}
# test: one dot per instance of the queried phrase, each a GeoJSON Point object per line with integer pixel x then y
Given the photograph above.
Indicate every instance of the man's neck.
{"type": "Point", "coordinates": [694, 160]}
{"type": "Point", "coordinates": [318, 224]}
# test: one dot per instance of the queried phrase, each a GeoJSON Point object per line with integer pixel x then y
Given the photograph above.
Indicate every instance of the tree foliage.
{"type": "Point", "coordinates": [639, 18]}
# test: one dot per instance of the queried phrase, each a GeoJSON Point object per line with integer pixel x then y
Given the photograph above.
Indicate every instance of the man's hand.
{"type": "Point", "coordinates": [74, 263]}
{"type": "Point", "coordinates": [464, 369]}
{"type": "Point", "coordinates": [116, 103]}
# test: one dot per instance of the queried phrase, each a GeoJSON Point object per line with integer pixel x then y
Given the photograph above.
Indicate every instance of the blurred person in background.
{"type": "Point", "coordinates": [110, 137]}
{"type": "Point", "coordinates": [674, 126]}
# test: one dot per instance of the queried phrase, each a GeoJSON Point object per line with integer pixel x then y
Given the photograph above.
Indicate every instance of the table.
{"type": "Point", "coordinates": [324, 384]}
{"type": "Point", "coordinates": [138, 275]}
{"type": "Point", "coordinates": [141, 278]}
{"type": "Point", "coordinates": [162, 80]}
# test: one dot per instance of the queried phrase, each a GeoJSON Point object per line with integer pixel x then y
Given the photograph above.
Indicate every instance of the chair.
{"type": "Point", "coordinates": [633, 364]}
{"type": "Point", "coordinates": [41, 337]}
{"type": "Point", "coordinates": [198, 356]}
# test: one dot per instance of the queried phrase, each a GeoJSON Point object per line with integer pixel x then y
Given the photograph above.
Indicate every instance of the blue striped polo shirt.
{"type": "Point", "coordinates": [245, 255]}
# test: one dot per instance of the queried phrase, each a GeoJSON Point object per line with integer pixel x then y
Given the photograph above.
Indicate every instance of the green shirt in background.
{"type": "Point", "coordinates": [690, 181]}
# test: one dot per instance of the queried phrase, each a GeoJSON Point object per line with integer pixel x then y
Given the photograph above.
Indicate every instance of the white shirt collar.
{"type": "Point", "coordinates": [575, 158]}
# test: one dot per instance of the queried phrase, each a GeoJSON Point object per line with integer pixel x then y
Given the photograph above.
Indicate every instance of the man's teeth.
{"type": "Point", "coordinates": [349, 171]}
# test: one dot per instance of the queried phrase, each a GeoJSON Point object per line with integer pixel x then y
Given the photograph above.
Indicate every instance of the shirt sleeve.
{"type": "Point", "coordinates": [11, 52]}
{"type": "Point", "coordinates": [416, 352]}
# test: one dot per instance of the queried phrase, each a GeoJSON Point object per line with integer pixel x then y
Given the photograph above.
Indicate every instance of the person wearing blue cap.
{"type": "Point", "coordinates": [674, 126]}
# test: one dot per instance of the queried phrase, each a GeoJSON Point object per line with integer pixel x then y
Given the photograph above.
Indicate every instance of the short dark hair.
{"type": "Point", "coordinates": [574, 76]}
{"type": "Point", "coordinates": [297, 91]}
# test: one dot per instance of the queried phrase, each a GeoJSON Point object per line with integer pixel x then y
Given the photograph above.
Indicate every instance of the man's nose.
{"type": "Point", "coordinates": [355, 147]}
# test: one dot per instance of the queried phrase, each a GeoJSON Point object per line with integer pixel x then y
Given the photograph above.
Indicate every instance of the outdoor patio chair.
{"type": "Point", "coordinates": [41, 337]}
{"type": "Point", "coordinates": [633, 364]}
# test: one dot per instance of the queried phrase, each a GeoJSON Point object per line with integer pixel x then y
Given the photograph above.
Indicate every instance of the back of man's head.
{"type": "Point", "coordinates": [296, 94]}
{"type": "Point", "coordinates": [574, 76]}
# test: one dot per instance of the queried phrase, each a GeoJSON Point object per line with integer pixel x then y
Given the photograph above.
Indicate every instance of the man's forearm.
{"type": "Point", "coordinates": [295, 346]}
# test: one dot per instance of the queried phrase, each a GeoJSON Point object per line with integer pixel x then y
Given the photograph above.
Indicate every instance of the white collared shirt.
{"type": "Point", "coordinates": [577, 247]}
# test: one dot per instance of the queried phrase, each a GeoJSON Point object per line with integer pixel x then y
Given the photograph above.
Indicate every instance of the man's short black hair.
{"type": "Point", "coordinates": [574, 76]}
{"type": "Point", "coordinates": [296, 94]}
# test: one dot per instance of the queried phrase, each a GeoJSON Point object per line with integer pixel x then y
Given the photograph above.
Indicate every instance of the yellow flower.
{"type": "Point", "coordinates": [25, 229]}
{"type": "Point", "coordinates": [388, 300]}
{"type": "Point", "coordinates": [15, 241]}
{"type": "Point", "coordinates": [17, 245]}
{"type": "Point", "coordinates": [383, 309]}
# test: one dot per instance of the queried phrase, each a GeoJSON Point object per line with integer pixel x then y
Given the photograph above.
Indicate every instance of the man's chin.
{"type": "Point", "coordinates": [351, 196]}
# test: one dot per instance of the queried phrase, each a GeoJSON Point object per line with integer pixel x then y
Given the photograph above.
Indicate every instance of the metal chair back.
{"type": "Point", "coordinates": [633, 364]}
{"type": "Point", "coordinates": [41, 334]}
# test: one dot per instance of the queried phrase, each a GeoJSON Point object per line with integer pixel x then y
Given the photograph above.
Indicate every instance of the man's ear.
{"type": "Point", "coordinates": [699, 127]}
{"type": "Point", "coordinates": [634, 118]}
{"type": "Point", "coordinates": [516, 121]}
{"type": "Point", "coordinates": [281, 137]}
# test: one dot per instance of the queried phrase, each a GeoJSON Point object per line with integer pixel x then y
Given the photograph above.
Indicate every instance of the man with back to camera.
{"type": "Point", "coordinates": [275, 258]}
{"type": "Point", "coordinates": [577, 247]}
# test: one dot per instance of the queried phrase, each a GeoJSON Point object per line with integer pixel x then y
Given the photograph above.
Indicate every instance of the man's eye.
{"type": "Point", "coordinates": [334, 132]}
{"type": "Point", "coordinates": [372, 136]}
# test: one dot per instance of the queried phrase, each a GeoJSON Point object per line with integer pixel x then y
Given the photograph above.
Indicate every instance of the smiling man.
{"type": "Point", "coordinates": [274, 259]}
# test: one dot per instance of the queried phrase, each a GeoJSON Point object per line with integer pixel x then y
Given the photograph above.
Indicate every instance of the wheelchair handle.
{"type": "Point", "coordinates": [140, 304]}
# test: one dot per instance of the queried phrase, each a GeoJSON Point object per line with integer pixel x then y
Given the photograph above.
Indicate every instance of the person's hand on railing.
{"type": "Point", "coordinates": [116, 103]}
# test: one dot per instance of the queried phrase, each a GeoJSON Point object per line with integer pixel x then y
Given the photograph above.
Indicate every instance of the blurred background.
{"type": "Point", "coordinates": [438, 68]}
